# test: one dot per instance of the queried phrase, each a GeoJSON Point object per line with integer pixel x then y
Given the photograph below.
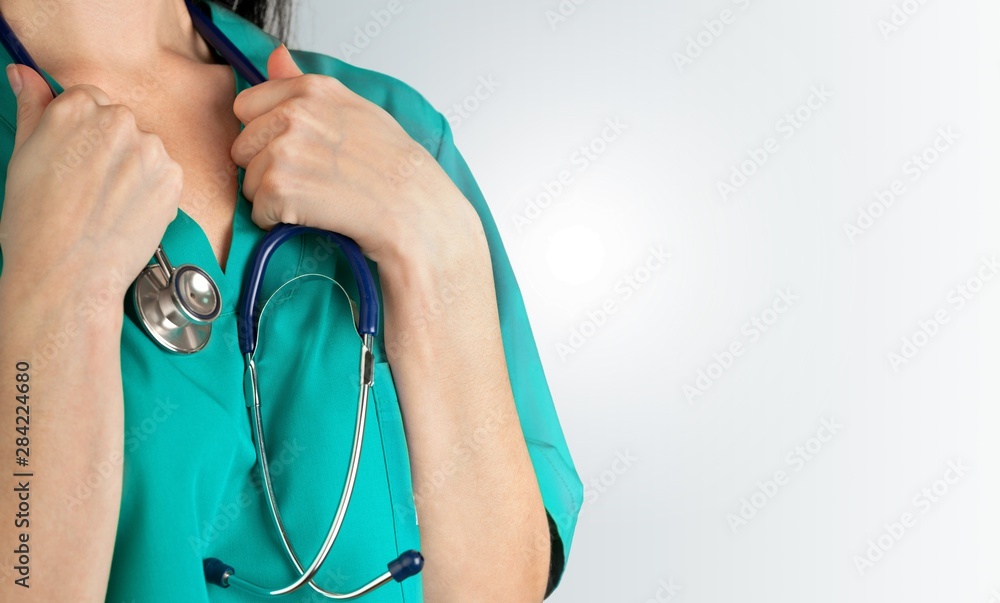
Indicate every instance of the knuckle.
{"type": "Point", "coordinates": [311, 83]}
{"type": "Point", "coordinates": [118, 119]}
{"type": "Point", "coordinates": [173, 177]}
{"type": "Point", "coordinates": [327, 83]}
{"type": "Point", "coordinates": [281, 152]}
{"type": "Point", "coordinates": [271, 212]}
{"type": "Point", "coordinates": [242, 146]}
{"type": "Point", "coordinates": [271, 186]}
{"type": "Point", "coordinates": [69, 104]}
{"type": "Point", "coordinates": [77, 94]}
{"type": "Point", "coordinates": [269, 135]}
{"type": "Point", "coordinates": [89, 90]}
{"type": "Point", "coordinates": [151, 149]}
{"type": "Point", "coordinates": [292, 112]}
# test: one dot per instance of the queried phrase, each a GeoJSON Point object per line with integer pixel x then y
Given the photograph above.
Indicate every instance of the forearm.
{"type": "Point", "coordinates": [482, 522]}
{"type": "Point", "coordinates": [69, 503]}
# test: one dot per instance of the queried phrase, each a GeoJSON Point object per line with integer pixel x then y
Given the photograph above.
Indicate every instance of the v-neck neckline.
{"type": "Point", "coordinates": [185, 241]}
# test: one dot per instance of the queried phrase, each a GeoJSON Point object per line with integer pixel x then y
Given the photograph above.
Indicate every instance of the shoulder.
{"type": "Point", "coordinates": [405, 104]}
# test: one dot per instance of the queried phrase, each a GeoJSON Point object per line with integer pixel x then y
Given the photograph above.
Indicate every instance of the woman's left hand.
{"type": "Point", "coordinates": [319, 155]}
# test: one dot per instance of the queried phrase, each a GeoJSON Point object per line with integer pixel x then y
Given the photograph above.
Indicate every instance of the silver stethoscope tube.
{"type": "Point", "coordinates": [406, 565]}
{"type": "Point", "coordinates": [306, 575]}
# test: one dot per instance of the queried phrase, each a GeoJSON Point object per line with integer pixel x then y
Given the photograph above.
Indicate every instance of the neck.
{"type": "Point", "coordinates": [123, 36]}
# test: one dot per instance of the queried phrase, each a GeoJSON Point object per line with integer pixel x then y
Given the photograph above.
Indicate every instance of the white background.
{"type": "Point", "coordinates": [664, 520]}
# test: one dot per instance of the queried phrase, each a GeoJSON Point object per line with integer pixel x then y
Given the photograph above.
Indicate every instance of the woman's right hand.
{"type": "Point", "coordinates": [88, 195]}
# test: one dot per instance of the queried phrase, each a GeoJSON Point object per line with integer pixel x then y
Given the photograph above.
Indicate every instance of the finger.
{"type": "Point", "coordinates": [254, 175]}
{"type": "Point", "coordinates": [33, 96]}
{"type": "Point", "coordinates": [261, 215]}
{"type": "Point", "coordinates": [282, 83]}
{"type": "Point", "coordinates": [256, 135]}
{"type": "Point", "coordinates": [254, 102]}
{"type": "Point", "coordinates": [285, 82]}
{"type": "Point", "coordinates": [265, 212]}
{"type": "Point", "coordinates": [100, 96]}
{"type": "Point", "coordinates": [281, 65]}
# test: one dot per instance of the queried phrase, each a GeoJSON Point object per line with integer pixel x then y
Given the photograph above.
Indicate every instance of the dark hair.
{"type": "Point", "coordinates": [273, 16]}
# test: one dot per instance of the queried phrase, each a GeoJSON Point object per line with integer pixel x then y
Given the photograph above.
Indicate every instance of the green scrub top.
{"type": "Point", "coordinates": [191, 489]}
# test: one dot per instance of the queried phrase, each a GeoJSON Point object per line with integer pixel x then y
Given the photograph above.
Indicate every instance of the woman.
{"type": "Point", "coordinates": [141, 461]}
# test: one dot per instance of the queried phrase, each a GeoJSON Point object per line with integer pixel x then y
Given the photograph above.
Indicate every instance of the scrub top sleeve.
{"type": "Point", "coordinates": [562, 491]}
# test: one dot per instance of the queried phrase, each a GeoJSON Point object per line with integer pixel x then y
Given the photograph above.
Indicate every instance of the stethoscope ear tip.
{"type": "Point", "coordinates": [406, 565]}
{"type": "Point", "coordinates": [217, 572]}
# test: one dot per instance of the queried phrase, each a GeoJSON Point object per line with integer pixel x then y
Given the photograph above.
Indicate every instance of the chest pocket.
{"type": "Point", "coordinates": [308, 365]}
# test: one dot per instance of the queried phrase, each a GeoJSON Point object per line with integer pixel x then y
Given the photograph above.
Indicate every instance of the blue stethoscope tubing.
{"type": "Point", "coordinates": [217, 572]}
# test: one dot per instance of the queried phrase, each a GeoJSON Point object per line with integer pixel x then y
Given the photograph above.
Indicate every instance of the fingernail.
{"type": "Point", "coordinates": [14, 78]}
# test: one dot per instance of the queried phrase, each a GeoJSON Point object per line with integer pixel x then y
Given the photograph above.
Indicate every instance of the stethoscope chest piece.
{"type": "Point", "coordinates": [176, 306]}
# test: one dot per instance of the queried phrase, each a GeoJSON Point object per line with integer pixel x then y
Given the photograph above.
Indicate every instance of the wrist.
{"type": "Point", "coordinates": [451, 246]}
{"type": "Point", "coordinates": [78, 302]}
{"type": "Point", "coordinates": [437, 305]}
{"type": "Point", "coordinates": [430, 288]}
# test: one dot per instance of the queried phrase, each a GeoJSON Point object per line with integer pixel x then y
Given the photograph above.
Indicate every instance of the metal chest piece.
{"type": "Point", "coordinates": [177, 306]}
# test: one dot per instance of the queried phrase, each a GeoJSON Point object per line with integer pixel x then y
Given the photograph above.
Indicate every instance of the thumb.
{"type": "Point", "coordinates": [33, 96]}
{"type": "Point", "coordinates": [281, 65]}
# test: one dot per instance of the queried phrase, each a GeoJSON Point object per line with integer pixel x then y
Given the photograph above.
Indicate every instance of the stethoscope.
{"type": "Point", "coordinates": [177, 305]}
